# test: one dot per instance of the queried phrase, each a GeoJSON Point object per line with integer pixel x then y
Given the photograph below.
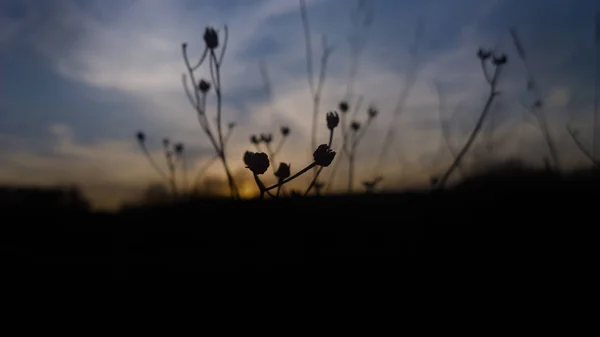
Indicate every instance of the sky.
{"type": "Point", "coordinates": [79, 78]}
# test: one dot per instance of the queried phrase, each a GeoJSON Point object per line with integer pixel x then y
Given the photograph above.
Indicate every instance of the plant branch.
{"type": "Point", "coordinates": [285, 181]}
{"type": "Point", "coordinates": [493, 93]}
{"type": "Point", "coordinates": [582, 148]}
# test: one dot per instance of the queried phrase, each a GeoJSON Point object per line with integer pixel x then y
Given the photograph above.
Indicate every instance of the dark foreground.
{"type": "Point", "coordinates": [515, 222]}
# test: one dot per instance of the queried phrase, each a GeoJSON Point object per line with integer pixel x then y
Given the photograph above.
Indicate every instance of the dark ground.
{"type": "Point", "coordinates": [510, 221]}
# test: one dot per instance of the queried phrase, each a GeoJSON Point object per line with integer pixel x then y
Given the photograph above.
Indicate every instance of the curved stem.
{"type": "Point", "coordinates": [232, 186]}
{"type": "Point", "coordinates": [475, 131]}
{"type": "Point", "coordinates": [582, 148]}
{"type": "Point", "coordinates": [153, 163]}
{"type": "Point", "coordinates": [203, 169]}
{"type": "Point", "coordinates": [314, 181]}
{"type": "Point", "coordinates": [285, 181]}
{"type": "Point", "coordinates": [260, 185]}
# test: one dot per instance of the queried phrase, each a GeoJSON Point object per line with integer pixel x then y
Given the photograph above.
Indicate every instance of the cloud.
{"type": "Point", "coordinates": [133, 48]}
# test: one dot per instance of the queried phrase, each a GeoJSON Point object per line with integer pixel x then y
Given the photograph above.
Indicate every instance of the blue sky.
{"type": "Point", "coordinates": [79, 78]}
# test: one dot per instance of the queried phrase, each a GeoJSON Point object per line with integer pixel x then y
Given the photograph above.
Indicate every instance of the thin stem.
{"type": "Point", "coordinates": [309, 53]}
{"type": "Point", "coordinates": [232, 186]}
{"type": "Point", "coordinates": [261, 187]}
{"type": "Point", "coordinates": [202, 58]}
{"type": "Point", "coordinates": [225, 42]}
{"type": "Point", "coordinates": [485, 71]}
{"type": "Point", "coordinates": [350, 172]}
{"type": "Point", "coordinates": [280, 145]}
{"type": "Point", "coordinates": [171, 167]}
{"type": "Point", "coordinates": [314, 181]}
{"type": "Point", "coordinates": [285, 181]}
{"type": "Point", "coordinates": [475, 131]}
{"type": "Point", "coordinates": [321, 168]}
{"type": "Point", "coordinates": [203, 169]}
{"type": "Point", "coordinates": [184, 171]}
{"type": "Point", "coordinates": [582, 148]}
{"type": "Point", "coordinates": [318, 92]}
{"type": "Point", "coordinates": [272, 156]}
{"type": "Point", "coordinates": [153, 163]}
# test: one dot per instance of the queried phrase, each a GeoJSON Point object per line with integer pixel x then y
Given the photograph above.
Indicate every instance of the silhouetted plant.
{"type": "Point", "coordinates": [535, 108]}
{"type": "Point", "coordinates": [315, 90]}
{"type": "Point", "coordinates": [444, 128]}
{"type": "Point", "coordinates": [353, 136]}
{"type": "Point", "coordinates": [498, 62]}
{"type": "Point", "coordinates": [170, 151]}
{"type": "Point", "coordinates": [208, 164]}
{"type": "Point", "coordinates": [202, 88]}
{"type": "Point", "coordinates": [282, 173]}
{"type": "Point", "coordinates": [591, 153]}
{"type": "Point", "coordinates": [323, 157]}
{"type": "Point", "coordinates": [371, 184]}
{"type": "Point", "coordinates": [267, 139]}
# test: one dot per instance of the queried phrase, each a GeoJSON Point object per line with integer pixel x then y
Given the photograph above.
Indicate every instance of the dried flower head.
{"type": "Point", "coordinates": [266, 137]}
{"type": "Point", "coordinates": [285, 131]}
{"type": "Point", "coordinates": [141, 136]}
{"type": "Point", "coordinates": [178, 148]}
{"type": "Point", "coordinates": [283, 171]}
{"type": "Point", "coordinates": [355, 125]}
{"type": "Point", "coordinates": [323, 155]}
{"type": "Point", "coordinates": [344, 106]}
{"type": "Point", "coordinates": [254, 140]}
{"type": "Point", "coordinates": [483, 54]}
{"type": "Point", "coordinates": [211, 38]}
{"type": "Point", "coordinates": [500, 60]}
{"type": "Point", "coordinates": [204, 86]}
{"type": "Point", "coordinates": [231, 125]}
{"type": "Point", "coordinates": [333, 119]}
{"type": "Point", "coordinates": [258, 162]}
{"type": "Point", "coordinates": [372, 112]}
{"type": "Point", "coordinates": [166, 142]}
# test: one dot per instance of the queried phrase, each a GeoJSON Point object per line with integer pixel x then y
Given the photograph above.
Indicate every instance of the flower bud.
{"type": "Point", "coordinates": [204, 86]}
{"type": "Point", "coordinates": [372, 112]}
{"type": "Point", "coordinates": [344, 106]}
{"type": "Point", "coordinates": [323, 155]}
{"type": "Point", "coordinates": [211, 38]}
{"type": "Point", "coordinates": [283, 172]}
{"type": "Point", "coordinates": [258, 163]}
{"type": "Point", "coordinates": [483, 54]}
{"type": "Point", "coordinates": [333, 120]}
{"type": "Point", "coordinates": [285, 131]}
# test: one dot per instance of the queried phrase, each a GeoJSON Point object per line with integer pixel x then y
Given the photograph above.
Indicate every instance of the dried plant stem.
{"type": "Point", "coordinates": [345, 134]}
{"type": "Point", "coordinates": [198, 101]}
{"type": "Point", "coordinates": [356, 138]}
{"type": "Point", "coordinates": [582, 148]}
{"type": "Point", "coordinates": [492, 95]}
{"type": "Point", "coordinates": [203, 170]}
{"type": "Point", "coordinates": [285, 181]}
{"type": "Point", "coordinates": [316, 92]}
{"type": "Point", "coordinates": [314, 181]}
{"type": "Point", "coordinates": [536, 111]}
{"type": "Point", "coordinates": [217, 65]}
{"type": "Point", "coordinates": [153, 163]}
